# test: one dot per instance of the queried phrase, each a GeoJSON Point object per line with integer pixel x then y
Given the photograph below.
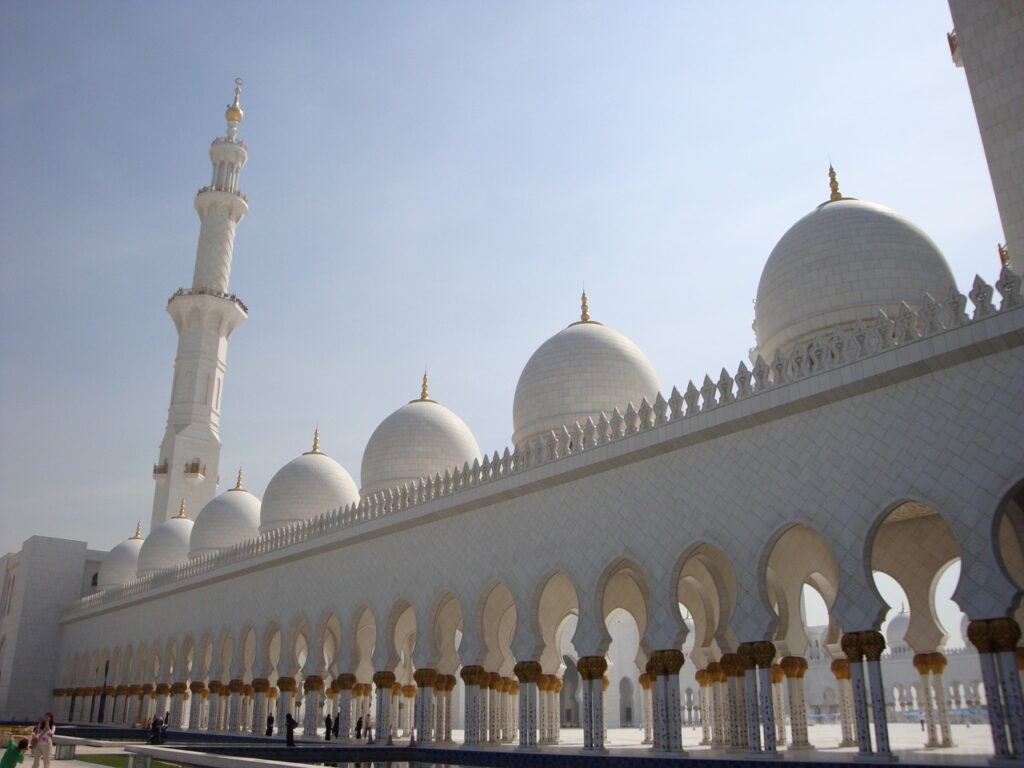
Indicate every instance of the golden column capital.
{"type": "Point", "coordinates": [425, 677]}
{"type": "Point", "coordinates": [527, 671]}
{"type": "Point", "coordinates": [852, 647]}
{"type": "Point", "coordinates": [1005, 633]}
{"type": "Point", "coordinates": [841, 669]}
{"type": "Point", "coordinates": [284, 684]}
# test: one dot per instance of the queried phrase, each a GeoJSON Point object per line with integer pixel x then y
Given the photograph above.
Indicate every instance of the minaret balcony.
{"type": "Point", "coordinates": [160, 471]}
{"type": "Point", "coordinates": [195, 472]}
{"type": "Point", "coordinates": [210, 292]}
{"type": "Point", "coordinates": [227, 190]}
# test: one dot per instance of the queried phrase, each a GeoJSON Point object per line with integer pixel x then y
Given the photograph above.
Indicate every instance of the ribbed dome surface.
{"type": "Point", "coordinates": [305, 487]}
{"type": "Point", "coordinates": [228, 519]}
{"type": "Point", "coordinates": [166, 546]}
{"type": "Point", "coordinates": [841, 263]}
{"type": "Point", "coordinates": [121, 564]}
{"type": "Point", "coordinates": [419, 440]}
{"type": "Point", "coordinates": [581, 371]}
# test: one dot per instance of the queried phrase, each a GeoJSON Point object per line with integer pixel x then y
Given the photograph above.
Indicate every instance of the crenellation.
{"type": "Point", "coordinates": [981, 296]}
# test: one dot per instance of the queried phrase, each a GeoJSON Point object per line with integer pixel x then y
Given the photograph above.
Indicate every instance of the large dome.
{"type": "Point", "coordinates": [121, 563]}
{"type": "Point", "coordinates": [228, 519]}
{"type": "Point", "coordinates": [581, 371]}
{"type": "Point", "coordinates": [305, 487]}
{"type": "Point", "coordinates": [167, 544]}
{"type": "Point", "coordinates": [419, 440]}
{"type": "Point", "coordinates": [895, 633]}
{"type": "Point", "coordinates": [839, 264]}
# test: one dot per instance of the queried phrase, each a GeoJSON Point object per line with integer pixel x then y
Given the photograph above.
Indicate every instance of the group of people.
{"type": "Point", "coordinates": [158, 729]}
{"type": "Point", "coordinates": [332, 728]}
{"type": "Point", "coordinates": [41, 744]}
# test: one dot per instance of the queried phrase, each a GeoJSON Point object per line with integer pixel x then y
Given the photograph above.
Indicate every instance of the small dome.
{"type": "Point", "coordinates": [840, 264]}
{"type": "Point", "coordinates": [228, 519]}
{"type": "Point", "coordinates": [897, 630]}
{"type": "Point", "coordinates": [167, 544]}
{"type": "Point", "coordinates": [305, 487]}
{"type": "Point", "coordinates": [419, 440]}
{"type": "Point", "coordinates": [234, 113]}
{"type": "Point", "coordinates": [121, 563]}
{"type": "Point", "coordinates": [580, 372]}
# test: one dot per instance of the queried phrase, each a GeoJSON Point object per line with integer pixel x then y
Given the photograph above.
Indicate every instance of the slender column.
{"type": "Point", "coordinates": [923, 665]}
{"type": "Point", "coordinates": [163, 691]}
{"type": "Point", "coordinates": [195, 711]}
{"type": "Point", "coordinates": [235, 688]}
{"type": "Point", "coordinates": [794, 668]}
{"type": "Point", "coordinates": [841, 670]}
{"type": "Point", "coordinates": [1005, 635]}
{"type": "Point", "coordinates": [216, 687]}
{"type": "Point", "coordinates": [659, 715]}
{"type": "Point", "coordinates": [874, 644]}
{"type": "Point", "coordinates": [735, 701]}
{"type": "Point", "coordinates": [543, 682]}
{"type": "Point", "coordinates": [778, 679]}
{"type": "Point", "coordinates": [493, 712]}
{"type": "Point", "coordinates": [425, 679]}
{"type": "Point", "coordinates": [258, 723]}
{"type": "Point", "coordinates": [592, 669]}
{"type": "Point", "coordinates": [764, 655]}
{"type": "Point", "coordinates": [313, 687]}
{"type": "Point", "coordinates": [437, 723]}
{"type": "Point", "coordinates": [131, 705]}
{"type": "Point", "coordinates": [484, 717]}
{"type": "Point", "coordinates": [557, 697]}
{"type": "Point", "coordinates": [645, 711]}
{"type": "Point", "coordinates": [854, 650]}
{"type": "Point", "coordinates": [345, 683]}
{"type": "Point", "coordinates": [937, 665]}
{"type": "Point", "coordinates": [472, 676]}
{"type": "Point", "coordinates": [528, 673]}
{"type": "Point", "coordinates": [603, 725]}
{"type": "Point", "coordinates": [704, 701]}
{"type": "Point", "coordinates": [721, 728]}
{"type": "Point", "coordinates": [753, 733]}
{"type": "Point", "coordinates": [384, 680]}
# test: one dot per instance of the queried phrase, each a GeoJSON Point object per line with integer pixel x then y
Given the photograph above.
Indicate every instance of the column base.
{"type": "Point", "coordinates": [808, 745]}
{"type": "Point", "coordinates": [847, 743]}
{"type": "Point", "coordinates": [875, 757]}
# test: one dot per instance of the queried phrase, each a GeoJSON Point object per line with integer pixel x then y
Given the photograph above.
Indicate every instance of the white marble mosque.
{"type": "Point", "coordinates": [637, 555]}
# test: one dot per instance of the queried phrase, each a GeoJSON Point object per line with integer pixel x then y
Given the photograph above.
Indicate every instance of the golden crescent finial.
{"type": "Point", "coordinates": [238, 482]}
{"type": "Point", "coordinates": [316, 440]}
{"type": "Point", "coordinates": [138, 530]}
{"type": "Point", "coordinates": [584, 308]}
{"type": "Point", "coordinates": [833, 184]}
{"type": "Point", "coordinates": [235, 113]}
{"type": "Point", "coordinates": [425, 389]}
{"type": "Point", "coordinates": [181, 509]}
{"type": "Point", "coordinates": [1004, 254]}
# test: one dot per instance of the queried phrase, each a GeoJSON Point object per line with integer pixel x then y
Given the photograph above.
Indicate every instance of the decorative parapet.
{"type": "Point", "coordinates": [806, 359]}
{"type": "Point", "coordinates": [209, 292]}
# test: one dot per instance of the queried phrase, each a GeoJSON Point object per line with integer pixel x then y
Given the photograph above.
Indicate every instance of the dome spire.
{"type": "Point", "coordinates": [181, 510]}
{"type": "Point", "coordinates": [238, 482]}
{"type": "Point", "coordinates": [425, 389]}
{"type": "Point", "coordinates": [584, 308]}
{"type": "Point", "coordinates": [833, 184]}
{"type": "Point", "coordinates": [234, 113]}
{"type": "Point", "coordinates": [138, 530]}
{"type": "Point", "coordinates": [316, 442]}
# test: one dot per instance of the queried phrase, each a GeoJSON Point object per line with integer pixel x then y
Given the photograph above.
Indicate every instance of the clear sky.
{"type": "Point", "coordinates": [430, 184]}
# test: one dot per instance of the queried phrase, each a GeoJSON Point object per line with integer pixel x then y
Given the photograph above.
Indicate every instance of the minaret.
{"type": "Point", "coordinates": [204, 317]}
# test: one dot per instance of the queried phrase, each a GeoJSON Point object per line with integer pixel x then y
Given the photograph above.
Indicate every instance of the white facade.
{"type": "Point", "coordinates": [880, 429]}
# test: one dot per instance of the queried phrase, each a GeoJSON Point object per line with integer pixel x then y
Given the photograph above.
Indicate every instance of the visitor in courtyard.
{"type": "Point", "coordinates": [270, 725]}
{"type": "Point", "coordinates": [42, 740]}
{"type": "Point", "coordinates": [359, 727]}
{"type": "Point", "coordinates": [289, 729]}
{"type": "Point", "coordinates": [14, 753]}
{"type": "Point", "coordinates": [156, 729]}
{"type": "Point", "coordinates": [337, 727]}
{"type": "Point", "coordinates": [368, 727]}
{"type": "Point", "coordinates": [328, 725]}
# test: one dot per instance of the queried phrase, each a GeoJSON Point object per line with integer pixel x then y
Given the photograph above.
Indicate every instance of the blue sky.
{"type": "Point", "coordinates": [430, 184]}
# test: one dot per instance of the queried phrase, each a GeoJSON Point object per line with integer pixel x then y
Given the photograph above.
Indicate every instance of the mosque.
{"type": "Point", "coordinates": [636, 555]}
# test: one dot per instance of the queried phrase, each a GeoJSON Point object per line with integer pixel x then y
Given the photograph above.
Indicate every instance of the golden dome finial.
{"type": "Point", "coordinates": [181, 509]}
{"type": "Point", "coordinates": [833, 184]}
{"type": "Point", "coordinates": [425, 389]}
{"type": "Point", "coordinates": [1004, 254]}
{"type": "Point", "coordinates": [238, 482]}
{"type": "Point", "coordinates": [316, 440]}
{"type": "Point", "coordinates": [138, 530]}
{"type": "Point", "coordinates": [584, 308]}
{"type": "Point", "coordinates": [234, 113]}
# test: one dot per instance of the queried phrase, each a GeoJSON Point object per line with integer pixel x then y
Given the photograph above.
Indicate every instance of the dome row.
{"type": "Point", "coordinates": [836, 267]}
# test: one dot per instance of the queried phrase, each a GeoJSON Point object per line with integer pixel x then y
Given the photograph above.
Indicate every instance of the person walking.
{"type": "Point", "coordinates": [42, 740]}
{"type": "Point", "coordinates": [270, 725]}
{"type": "Point", "coordinates": [328, 725]}
{"type": "Point", "coordinates": [289, 729]}
{"type": "Point", "coordinates": [337, 726]}
{"type": "Point", "coordinates": [359, 727]}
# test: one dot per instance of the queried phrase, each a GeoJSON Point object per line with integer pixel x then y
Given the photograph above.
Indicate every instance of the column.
{"type": "Point", "coordinates": [557, 696]}
{"type": "Point", "coordinates": [592, 669]}
{"type": "Point", "coordinates": [778, 680]}
{"type": "Point", "coordinates": [736, 701]}
{"type": "Point", "coordinates": [450, 683]}
{"type": "Point", "coordinates": [260, 686]}
{"type": "Point", "coordinates": [721, 729]}
{"type": "Point", "coordinates": [749, 680]}
{"type": "Point", "coordinates": [645, 707]}
{"type": "Point", "coordinates": [542, 709]}
{"type": "Point", "coordinates": [669, 663]}
{"type": "Point", "coordinates": [764, 655]}
{"type": "Point", "coordinates": [528, 673]}
{"type": "Point", "coordinates": [148, 702]}
{"type": "Point", "coordinates": [1006, 634]}
{"type": "Point", "coordinates": [163, 691]}
{"type": "Point", "coordinates": [396, 709]}
{"type": "Point", "coordinates": [923, 665]}
{"type": "Point", "coordinates": [384, 680]}
{"type": "Point", "coordinates": [285, 701]}
{"type": "Point", "coordinates": [659, 717]}
{"type": "Point", "coordinates": [313, 687]}
{"type": "Point", "coordinates": [344, 684]}
{"type": "Point", "coordinates": [704, 693]}
{"type": "Point", "coordinates": [794, 668]}
{"type": "Point", "coordinates": [235, 688]}
{"type": "Point", "coordinates": [603, 725]}
{"type": "Point", "coordinates": [440, 682]}
{"type": "Point", "coordinates": [425, 679]}
{"type": "Point", "coordinates": [177, 702]}
{"type": "Point", "coordinates": [472, 676]}
{"type": "Point", "coordinates": [854, 650]}
{"type": "Point", "coordinates": [493, 729]}
{"type": "Point", "coordinates": [841, 670]}
{"type": "Point", "coordinates": [134, 705]}
{"type": "Point", "coordinates": [938, 666]}
{"type": "Point", "coordinates": [874, 644]}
